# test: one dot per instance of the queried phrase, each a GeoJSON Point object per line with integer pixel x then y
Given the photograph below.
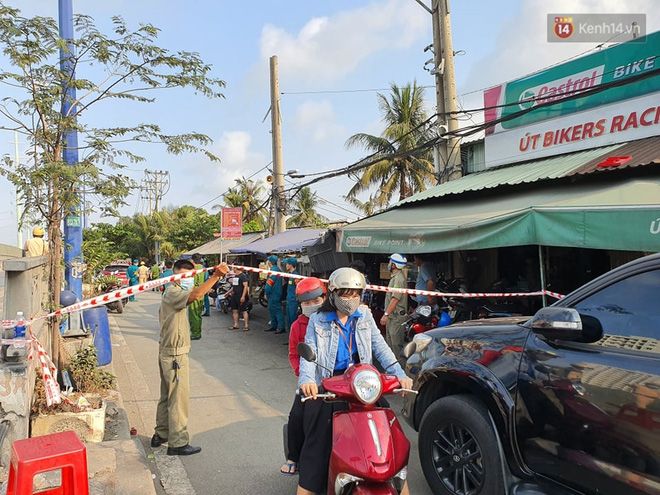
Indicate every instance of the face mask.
{"type": "Point", "coordinates": [346, 306]}
{"type": "Point", "coordinates": [186, 283]}
{"type": "Point", "coordinates": [311, 309]}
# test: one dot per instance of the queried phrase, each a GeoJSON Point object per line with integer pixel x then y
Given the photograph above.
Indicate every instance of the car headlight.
{"type": "Point", "coordinates": [422, 341]}
{"type": "Point", "coordinates": [367, 386]}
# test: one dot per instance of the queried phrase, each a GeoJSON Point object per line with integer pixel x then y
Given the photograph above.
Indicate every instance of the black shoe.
{"type": "Point", "coordinates": [279, 331]}
{"type": "Point", "coordinates": [271, 329]}
{"type": "Point", "coordinates": [185, 450]}
{"type": "Point", "coordinates": [195, 338]}
{"type": "Point", "coordinates": [206, 314]}
{"type": "Point", "coordinates": [285, 343]}
{"type": "Point", "coordinates": [157, 441]}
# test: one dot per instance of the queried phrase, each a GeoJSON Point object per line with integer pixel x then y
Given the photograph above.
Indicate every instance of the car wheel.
{"type": "Point", "coordinates": [458, 448]}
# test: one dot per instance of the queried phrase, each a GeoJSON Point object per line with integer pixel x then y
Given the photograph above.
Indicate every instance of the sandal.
{"type": "Point", "coordinates": [246, 329]}
{"type": "Point", "coordinates": [232, 328]}
{"type": "Point", "coordinates": [289, 468]}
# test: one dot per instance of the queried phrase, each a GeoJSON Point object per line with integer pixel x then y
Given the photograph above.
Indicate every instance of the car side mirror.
{"type": "Point", "coordinates": [557, 323]}
{"type": "Point", "coordinates": [409, 349]}
{"type": "Point", "coordinates": [306, 352]}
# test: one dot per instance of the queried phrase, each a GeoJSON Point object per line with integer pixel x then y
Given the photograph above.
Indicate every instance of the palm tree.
{"type": "Point", "coordinates": [404, 167]}
{"type": "Point", "coordinates": [248, 195]}
{"type": "Point", "coordinates": [304, 211]}
{"type": "Point", "coordinates": [371, 206]}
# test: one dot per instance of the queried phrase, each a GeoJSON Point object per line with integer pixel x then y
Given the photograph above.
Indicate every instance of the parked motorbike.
{"type": "Point", "coordinates": [423, 319]}
{"type": "Point", "coordinates": [259, 293]}
{"type": "Point", "coordinates": [224, 294]}
{"type": "Point", "coordinates": [369, 449]}
{"type": "Point", "coordinates": [112, 284]}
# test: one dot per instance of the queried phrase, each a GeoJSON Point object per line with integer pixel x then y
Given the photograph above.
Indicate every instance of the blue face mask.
{"type": "Point", "coordinates": [186, 283]}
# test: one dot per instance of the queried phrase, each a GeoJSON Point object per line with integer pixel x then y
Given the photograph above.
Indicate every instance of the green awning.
{"type": "Point", "coordinates": [620, 216]}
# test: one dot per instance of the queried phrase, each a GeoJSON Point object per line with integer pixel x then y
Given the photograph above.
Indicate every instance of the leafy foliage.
{"type": "Point", "coordinates": [85, 372]}
{"type": "Point", "coordinates": [304, 212]}
{"type": "Point", "coordinates": [130, 67]}
{"type": "Point", "coordinates": [412, 170]}
{"type": "Point", "coordinates": [248, 195]}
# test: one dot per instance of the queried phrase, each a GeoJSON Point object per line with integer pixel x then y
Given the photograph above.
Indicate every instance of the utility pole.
{"type": "Point", "coordinates": [448, 152]}
{"type": "Point", "coordinates": [155, 185]}
{"type": "Point", "coordinates": [278, 169]}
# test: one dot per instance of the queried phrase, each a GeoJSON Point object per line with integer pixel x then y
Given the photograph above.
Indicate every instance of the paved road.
{"type": "Point", "coordinates": [241, 392]}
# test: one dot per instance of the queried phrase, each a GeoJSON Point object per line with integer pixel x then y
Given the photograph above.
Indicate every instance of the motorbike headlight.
{"type": "Point", "coordinates": [344, 480]}
{"type": "Point", "coordinates": [367, 386]}
{"type": "Point", "coordinates": [424, 310]}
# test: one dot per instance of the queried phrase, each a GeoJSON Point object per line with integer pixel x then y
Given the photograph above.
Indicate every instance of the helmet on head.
{"type": "Point", "coordinates": [398, 260]}
{"type": "Point", "coordinates": [291, 261]}
{"type": "Point", "coordinates": [38, 232]}
{"type": "Point", "coordinates": [309, 288]}
{"type": "Point", "coordinates": [346, 278]}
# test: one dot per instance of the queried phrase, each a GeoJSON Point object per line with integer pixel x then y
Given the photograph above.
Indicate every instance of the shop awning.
{"type": "Point", "coordinates": [622, 215]}
{"type": "Point", "coordinates": [286, 242]}
{"type": "Point", "coordinates": [218, 246]}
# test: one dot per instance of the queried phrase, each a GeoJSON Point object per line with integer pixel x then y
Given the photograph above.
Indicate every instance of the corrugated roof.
{"type": "Point", "coordinates": [643, 152]}
{"type": "Point", "coordinates": [287, 241]}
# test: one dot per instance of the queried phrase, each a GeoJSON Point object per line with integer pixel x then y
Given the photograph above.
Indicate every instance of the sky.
{"type": "Point", "coordinates": [334, 57]}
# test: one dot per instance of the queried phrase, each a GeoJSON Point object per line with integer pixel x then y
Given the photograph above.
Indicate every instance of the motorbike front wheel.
{"type": "Point", "coordinates": [458, 448]}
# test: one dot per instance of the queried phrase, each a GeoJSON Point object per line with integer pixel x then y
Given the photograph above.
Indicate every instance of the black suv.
{"type": "Point", "coordinates": [565, 402]}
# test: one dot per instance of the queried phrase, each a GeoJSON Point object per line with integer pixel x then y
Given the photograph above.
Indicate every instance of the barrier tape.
{"type": "Point", "coordinates": [49, 371]}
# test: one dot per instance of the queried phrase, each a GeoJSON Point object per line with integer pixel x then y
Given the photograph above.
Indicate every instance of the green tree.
{"type": "Point", "coordinates": [304, 212]}
{"type": "Point", "coordinates": [191, 227]}
{"type": "Point", "coordinates": [404, 169]}
{"type": "Point", "coordinates": [130, 67]}
{"type": "Point", "coordinates": [371, 206]}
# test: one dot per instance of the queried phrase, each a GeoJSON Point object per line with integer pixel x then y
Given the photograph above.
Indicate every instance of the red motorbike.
{"type": "Point", "coordinates": [369, 449]}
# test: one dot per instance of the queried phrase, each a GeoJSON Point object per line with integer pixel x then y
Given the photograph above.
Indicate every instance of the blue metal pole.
{"type": "Point", "coordinates": [73, 260]}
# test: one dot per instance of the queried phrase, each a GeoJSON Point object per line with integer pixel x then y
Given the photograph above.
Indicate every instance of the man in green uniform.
{"type": "Point", "coordinates": [396, 306]}
{"type": "Point", "coordinates": [172, 411]}
{"type": "Point", "coordinates": [195, 309]}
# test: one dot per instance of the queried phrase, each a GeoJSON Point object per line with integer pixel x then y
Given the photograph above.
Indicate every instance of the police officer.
{"type": "Point", "coordinates": [396, 305]}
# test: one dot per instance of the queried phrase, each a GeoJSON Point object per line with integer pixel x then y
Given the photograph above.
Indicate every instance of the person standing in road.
{"type": "Point", "coordinates": [167, 272]}
{"type": "Point", "coordinates": [290, 265]}
{"type": "Point", "coordinates": [240, 293]}
{"type": "Point", "coordinates": [37, 246]}
{"type": "Point", "coordinates": [207, 302]}
{"type": "Point", "coordinates": [143, 273]}
{"type": "Point", "coordinates": [273, 294]}
{"type": "Point", "coordinates": [132, 275]}
{"type": "Point", "coordinates": [195, 308]}
{"type": "Point", "coordinates": [174, 346]}
{"type": "Point", "coordinates": [425, 279]}
{"type": "Point", "coordinates": [396, 305]}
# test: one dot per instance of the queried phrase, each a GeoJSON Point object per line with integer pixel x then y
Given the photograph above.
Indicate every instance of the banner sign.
{"type": "Point", "coordinates": [232, 224]}
{"type": "Point", "coordinates": [558, 90]}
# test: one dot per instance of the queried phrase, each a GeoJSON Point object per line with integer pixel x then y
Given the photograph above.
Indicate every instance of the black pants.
{"type": "Point", "coordinates": [295, 429]}
{"type": "Point", "coordinates": [317, 446]}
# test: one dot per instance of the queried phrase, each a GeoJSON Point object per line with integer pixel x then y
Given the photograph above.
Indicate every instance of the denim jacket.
{"type": "Point", "coordinates": [323, 337]}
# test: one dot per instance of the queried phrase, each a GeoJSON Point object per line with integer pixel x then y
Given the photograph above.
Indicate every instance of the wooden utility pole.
{"type": "Point", "coordinates": [448, 154]}
{"type": "Point", "coordinates": [278, 169]}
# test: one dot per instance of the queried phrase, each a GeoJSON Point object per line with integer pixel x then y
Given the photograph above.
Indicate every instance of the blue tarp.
{"type": "Point", "coordinates": [285, 242]}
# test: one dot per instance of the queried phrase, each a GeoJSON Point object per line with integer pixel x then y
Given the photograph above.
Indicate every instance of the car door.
{"type": "Point", "coordinates": [588, 414]}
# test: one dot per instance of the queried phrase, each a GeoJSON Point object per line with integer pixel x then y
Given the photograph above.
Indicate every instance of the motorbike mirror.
{"type": "Point", "coordinates": [306, 352]}
{"type": "Point", "coordinates": [409, 349]}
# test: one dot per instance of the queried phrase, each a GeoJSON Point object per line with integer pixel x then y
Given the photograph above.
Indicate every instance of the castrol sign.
{"type": "Point", "coordinates": [604, 98]}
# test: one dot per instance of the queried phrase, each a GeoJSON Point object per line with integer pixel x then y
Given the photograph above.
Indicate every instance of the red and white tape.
{"type": "Point", "coordinates": [48, 372]}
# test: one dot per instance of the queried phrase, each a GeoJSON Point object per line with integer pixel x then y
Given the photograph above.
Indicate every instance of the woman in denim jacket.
{"type": "Point", "coordinates": [340, 334]}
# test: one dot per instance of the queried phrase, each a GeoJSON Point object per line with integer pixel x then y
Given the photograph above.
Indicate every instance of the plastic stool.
{"type": "Point", "coordinates": [37, 455]}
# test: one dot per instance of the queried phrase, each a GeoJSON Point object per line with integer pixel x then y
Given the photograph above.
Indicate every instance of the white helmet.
{"type": "Point", "coordinates": [398, 260]}
{"type": "Point", "coordinates": [346, 278]}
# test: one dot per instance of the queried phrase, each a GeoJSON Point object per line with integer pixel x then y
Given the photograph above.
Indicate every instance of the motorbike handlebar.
{"type": "Point", "coordinates": [320, 396]}
{"type": "Point", "coordinates": [407, 390]}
